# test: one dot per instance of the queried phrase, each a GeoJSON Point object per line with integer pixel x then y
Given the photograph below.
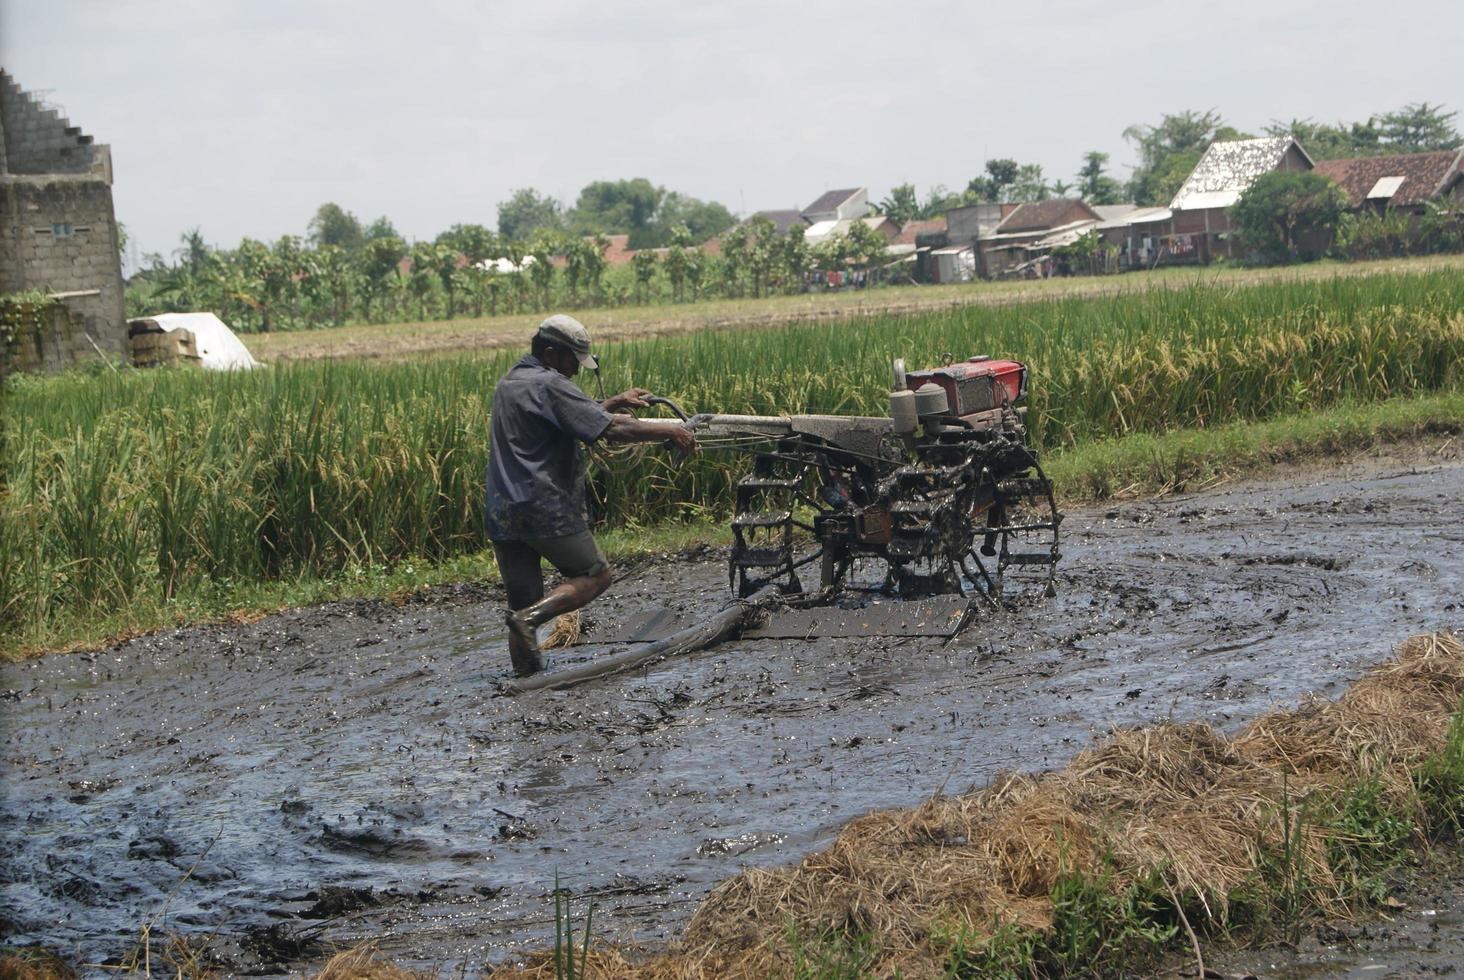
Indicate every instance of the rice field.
{"type": "Point", "coordinates": [138, 487]}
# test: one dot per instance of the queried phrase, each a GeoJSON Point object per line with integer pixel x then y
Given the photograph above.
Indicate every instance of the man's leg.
{"type": "Point", "coordinates": [523, 580]}
{"type": "Point", "coordinates": [586, 575]}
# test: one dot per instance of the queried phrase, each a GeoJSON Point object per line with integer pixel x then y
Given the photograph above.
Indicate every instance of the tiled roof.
{"type": "Point", "coordinates": [1042, 215]}
{"type": "Point", "coordinates": [830, 200]}
{"type": "Point", "coordinates": [920, 226]}
{"type": "Point", "coordinates": [1227, 169]}
{"type": "Point", "coordinates": [1424, 174]}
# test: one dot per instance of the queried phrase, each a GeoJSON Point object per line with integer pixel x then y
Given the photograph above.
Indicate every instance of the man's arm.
{"type": "Point", "coordinates": [628, 428]}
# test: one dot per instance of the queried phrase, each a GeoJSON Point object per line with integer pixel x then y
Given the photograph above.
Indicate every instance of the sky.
{"type": "Point", "coordinates": [241, 117]}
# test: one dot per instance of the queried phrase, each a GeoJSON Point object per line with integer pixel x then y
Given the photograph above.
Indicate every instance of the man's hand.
{"type": "Point", "coordinates": [682, 440]}
{"type": "Point", "coordinates": [626, 400]}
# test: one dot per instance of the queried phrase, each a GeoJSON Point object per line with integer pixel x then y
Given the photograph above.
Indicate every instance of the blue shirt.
{"type": "Point", "coordinates": [536, 469]}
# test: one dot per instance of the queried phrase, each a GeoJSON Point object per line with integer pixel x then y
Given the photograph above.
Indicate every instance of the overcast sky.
{"type": "Point", "coordinates": [242, 116]}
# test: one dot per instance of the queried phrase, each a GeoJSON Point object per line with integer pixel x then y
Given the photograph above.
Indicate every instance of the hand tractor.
{"type": "Point", "coordinates": [945, 493]}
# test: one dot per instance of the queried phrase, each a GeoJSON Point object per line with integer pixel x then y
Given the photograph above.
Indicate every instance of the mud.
{"type": "Point", "coordinates": [349, 771]}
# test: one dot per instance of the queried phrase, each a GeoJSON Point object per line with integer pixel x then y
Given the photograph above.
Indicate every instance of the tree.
{"type": "Point", "coordinates": [527, 212]}
{"type": "Point", "coordinates": [644, 263]}
{"type": "Point", "coordinates": [616, 207]}
{"type": "Point", "coordinates": [1289, 216]}
{"type": "Point", "coordinates": [1094, 186]}
{"type": "Point", "coordinates": [379, 260]}
{"type": "Point", "coordinates": [1000, 174]}
{"type": "Point", "coordinates": [473, 242]}
{"type": "Point", "coordinates": [864, 245]}
{"type": "Point", "coordinates": [702, 219]}
{"type": "Point", "coordinates": [542, 249]}
{"type": "Point", "coordinates": [1418, 127]}
{"type": "Point", "coordinates": [1029, 184]}
{"type": "Point", "coordinates": [734, 260]}
{"type": "Point", "coordinates": [381, 228]}
{"type": "Point", "coordinates": [901, 205]}
{"type": "Point", "coordinates": [1060, 188]}
{"type": "Point", "coordinates": [1331, 142]}
{"type": "Point", "coordinates": [794, 257]}
{"type": "Point", "coordinates": [762, 252]}
{"type": "Point", "coordinates": [939, 200]}
{"type": "Point", "coordinates": [193, 253]}
{"type": "Point", "coordinates": [334, 225]}
{"type": "Point", "coordinates": [677, 262]}
{"type": "Point", "coordinates": [1415, 128]}
{"type": "Point", "coordinates": [1170, 150]}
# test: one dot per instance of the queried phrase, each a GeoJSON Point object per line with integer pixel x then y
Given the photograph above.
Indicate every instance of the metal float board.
{"type": "Point", "coordinates": [939, 616]}
{"type": "Point", "coordinates": [646, 627]}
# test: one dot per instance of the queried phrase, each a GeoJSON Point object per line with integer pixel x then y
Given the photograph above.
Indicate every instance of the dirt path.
{"type": "Point", "coordinates": [347, 771]}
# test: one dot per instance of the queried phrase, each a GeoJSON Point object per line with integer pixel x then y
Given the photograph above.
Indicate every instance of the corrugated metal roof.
{"type": "Point", "coordinates": [1227, 169]}
{"type": "Point", "coordinates": [1018, 235]}
{"type": "Point", "coordinates": [1113, 212]}
{"type": "Point", "coordinates": [1065, 235]}
{"type": "Point", "coordinates": [1138, 216]}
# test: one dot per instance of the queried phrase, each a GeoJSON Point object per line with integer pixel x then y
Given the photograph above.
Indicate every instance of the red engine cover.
{"type": "Point", "coordinates": [976, 385]}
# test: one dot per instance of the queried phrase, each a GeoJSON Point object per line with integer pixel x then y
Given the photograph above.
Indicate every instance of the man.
{"type": "Point", "coordinates": [536, 479]}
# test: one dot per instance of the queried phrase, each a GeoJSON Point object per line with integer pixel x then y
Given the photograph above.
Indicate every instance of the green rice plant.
{"type": "Point", "coordinates": [1440, 783]}
{"type": "Point", "coordinates": [564, 964]}
{"type": "Point", "coordinates": [1368, 836]}
{"type": "Point", "coordinates": [129, 490]}
{"type": "Point", "coordinates": [831, 956]}
{"type": "Point", "coordinates": [1006, 954]}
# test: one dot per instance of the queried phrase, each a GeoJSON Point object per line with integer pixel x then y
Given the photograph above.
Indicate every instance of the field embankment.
{"type": "Point", "coordinates": [1141, 845]}
{"type": "Point", "coordinates": [394, 341]}
{"type": "Point", "coordinates": [134, 498]}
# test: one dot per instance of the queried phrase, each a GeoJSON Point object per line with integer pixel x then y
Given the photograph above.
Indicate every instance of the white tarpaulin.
{"type": "Point", "coordinates": [218, 347]}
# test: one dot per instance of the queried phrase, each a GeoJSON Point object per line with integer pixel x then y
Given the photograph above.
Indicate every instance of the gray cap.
{"type": "Point", "coordinates": [567, 332]}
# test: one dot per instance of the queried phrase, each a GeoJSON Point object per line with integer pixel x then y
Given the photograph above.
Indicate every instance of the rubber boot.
{"type": "Point", "coordinates": [523, 646]}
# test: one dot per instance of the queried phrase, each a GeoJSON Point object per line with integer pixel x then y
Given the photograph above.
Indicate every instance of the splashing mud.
{"type": "Point", "coordinates": [349, 771]}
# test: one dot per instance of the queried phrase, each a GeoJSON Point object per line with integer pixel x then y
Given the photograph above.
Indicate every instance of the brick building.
{"type": "Point", "coordinates": [58, 232]}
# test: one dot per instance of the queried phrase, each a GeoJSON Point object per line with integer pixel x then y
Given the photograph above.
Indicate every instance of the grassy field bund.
{"type": "Point", "coordinates": [136, 499]}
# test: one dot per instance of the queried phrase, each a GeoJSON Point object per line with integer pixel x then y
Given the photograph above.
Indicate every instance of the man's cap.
{"type": "Point", "coordinates": [565, 331]}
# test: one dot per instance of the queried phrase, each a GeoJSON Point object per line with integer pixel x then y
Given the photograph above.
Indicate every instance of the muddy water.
{"type": "Point", "coordinates": [349, 771]}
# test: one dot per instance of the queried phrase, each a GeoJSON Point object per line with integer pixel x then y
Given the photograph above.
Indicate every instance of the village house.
{"type": "Point", "coordinates": [1405, 182]}
{"type": "Point", "coordinates": [822, 231]}
{"type": "Point", "coordinates": [1200, 228]}
{"type": "Point", "coordinates": [840, 205]}
{"type": "Point", "coordinates": [59, 232]}
{"type": "Point", "coordinates": [1135, 232]}
{"type": "Point", "coordinates": [1031, 230]}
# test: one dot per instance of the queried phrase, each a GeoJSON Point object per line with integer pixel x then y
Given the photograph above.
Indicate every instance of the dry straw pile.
{"type": "Point", "coordinates": [1181, 806]}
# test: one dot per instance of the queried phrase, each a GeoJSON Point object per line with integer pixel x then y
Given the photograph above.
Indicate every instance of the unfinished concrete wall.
{"type": "Point", "coordinates": [40, 140]}
{"type": "Point", "coordinates": [58, 230]}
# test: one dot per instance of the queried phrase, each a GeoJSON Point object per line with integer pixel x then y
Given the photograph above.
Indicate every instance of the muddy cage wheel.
{"type": "Point", "coordinates": [1014, 553]}
{"type": "Point", "coordinates": [772, 529]}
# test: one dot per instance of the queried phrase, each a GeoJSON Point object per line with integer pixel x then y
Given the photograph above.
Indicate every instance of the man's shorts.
{"type": "Point", "coordinates": [574, 555]}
